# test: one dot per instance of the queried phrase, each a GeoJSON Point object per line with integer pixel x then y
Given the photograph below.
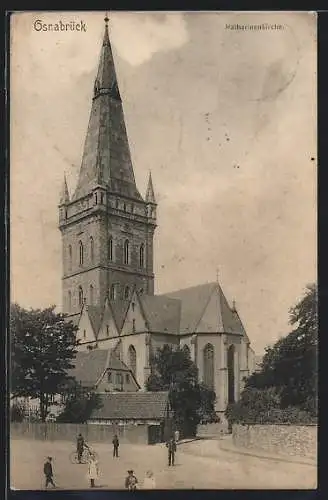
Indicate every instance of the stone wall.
{"type": "Point", "coordinates": [297, 440]}
{"type": "Point", "coordinates": [93, 433]}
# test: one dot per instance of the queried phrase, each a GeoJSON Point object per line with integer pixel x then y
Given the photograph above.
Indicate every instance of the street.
{"type": "Point", "coordinates": [196, 467]}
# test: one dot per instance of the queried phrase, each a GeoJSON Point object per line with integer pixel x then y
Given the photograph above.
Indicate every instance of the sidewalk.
{"type": "Point", "coordinates": [226, 444]}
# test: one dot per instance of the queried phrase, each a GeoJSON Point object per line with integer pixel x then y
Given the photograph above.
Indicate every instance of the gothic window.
{"type": "Point", "coordinates": [101, 198]}
{"type": "Point", "coordinates": [84, 334]}
{"type": "Point", "coordinates": [91, 295]}
{"type": "Point", "coordinates": [133, 306]}
{"type": "Point", "coordinates": [126, 292]}
{"type": "Point", "coordinates": [124, 207]}
{"type": "Point", "coordinates": [69, 257]}
{"type": "Point", "coordinates": [142, 256]}
{"type": "Point", "coordinates": [109, 377]}
{"type": "Point", "coordinates": [208, 354]}
{"type": "Point", "coordinates": [126, 252]}
{"type": "Point", "coordinates": [132, 208]}
{"type": "Point", "coordinates": [107, 330]}
{"type": "Point", "coordinates": [116, 203]}
{"type": "Point", "coordinates": [231, 373]}
{"type": "Point", "coordinates": [92, 255]}
{"type": "Point", "coordinates": [80, 296]}
{"type": "Point", "coordinates": [133, 325]}
{"type": "Point", "coordinates": [132, 359]}
{"type": "Point", "coordinates": [112, 294]}
{"type": "Point", "coordinates": [81, 253]}
{"type": "Point", "coordinates": [69, 301]}
{"type": "Point", "coordinates": [110, 249]}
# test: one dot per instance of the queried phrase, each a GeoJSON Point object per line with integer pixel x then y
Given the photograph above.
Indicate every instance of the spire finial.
{"type": "Point", "coordinates": [106, 19]}
{"type": "Point", "coordinates": [217, 275]}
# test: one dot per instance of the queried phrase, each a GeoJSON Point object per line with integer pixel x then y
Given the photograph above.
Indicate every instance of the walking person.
{"type": "Point", "coordinates": [149, 481]}
{"type": "Point", "coordinates": [172, 448]}
{"type": "Point", "coordinates": [48, 472]}
{"type": "Point", "coordinates": [131, 482]}
{"type": "Point", "coordinates": [93, 470]}
{"type": "Point", "coordinates": [116, 445]}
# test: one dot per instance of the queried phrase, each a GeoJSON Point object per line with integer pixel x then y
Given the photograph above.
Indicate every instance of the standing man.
{"type": "Point", "coordinates": [172, 448]}
{"type": "Point", "coordinates": [47, 470]}
{"type": "Point", "coordinates": [116, 444]}
{"type": "Point", "coordinates": [80, 445]}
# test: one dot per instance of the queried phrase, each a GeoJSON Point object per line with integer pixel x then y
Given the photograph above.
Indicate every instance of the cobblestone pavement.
{"type": "Point", "coordinates": [196, 467]}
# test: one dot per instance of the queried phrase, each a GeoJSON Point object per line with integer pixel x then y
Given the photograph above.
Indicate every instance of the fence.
{"type": "Point", "coordinates": [93, 433]}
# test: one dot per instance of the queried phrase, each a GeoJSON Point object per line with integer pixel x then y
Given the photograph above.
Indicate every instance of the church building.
{"type": "Point", "coordinates": [107, 230]}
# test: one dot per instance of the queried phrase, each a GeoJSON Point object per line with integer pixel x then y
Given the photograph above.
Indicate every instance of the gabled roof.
{"type": "Point", "coordinates": [119, 308]}
{"type": "Point", "coordinates": [95, 315]}
{"type": "Point", "coordinates": [204, 309]}
{"type": "Point", "coordinates": [89, 366]}
{"type": "Point", "coordinates": [132, 406]}
{"type": "Point", "coordinates": [162, 313]}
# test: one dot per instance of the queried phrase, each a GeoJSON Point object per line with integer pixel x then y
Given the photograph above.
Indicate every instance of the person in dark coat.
{"type": "Point", "coordinates": [172, 448]}
{"type": "Point", "coordinates": [116, 444]}
{"type": "Point", "coordinates": [47, 470]}
{"type": "Point", "coordinates": [80, 445]}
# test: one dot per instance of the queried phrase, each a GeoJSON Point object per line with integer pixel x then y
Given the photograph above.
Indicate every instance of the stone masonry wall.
{"type": "Point", "coordinates": [297, 440]}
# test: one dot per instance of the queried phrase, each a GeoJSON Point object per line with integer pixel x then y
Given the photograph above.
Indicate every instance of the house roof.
{"type": "Point", "coordinates": [89, 366]}
{"type": "Point", "coordinates": [162, 313]}
{"type": "Point", "coordinates": [132, 406]}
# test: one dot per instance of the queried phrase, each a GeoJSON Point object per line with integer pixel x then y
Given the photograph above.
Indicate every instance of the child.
{"type": "Point", "coordinates": [149, 481]}
{"type": "Point", "coordinates": [93, 470]}
{"type": "Point", "coordinates": [47, 470]}
{"type": "Point", "coordinates": [131, 482]}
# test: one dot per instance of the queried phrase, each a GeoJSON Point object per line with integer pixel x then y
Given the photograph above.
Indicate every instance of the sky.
{"type": "Point", "coordinates": [224, 119]}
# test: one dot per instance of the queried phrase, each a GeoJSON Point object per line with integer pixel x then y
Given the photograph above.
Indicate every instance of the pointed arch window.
{"type": "Point", "coordinates": [110, 249]}
{"type": "Point", "coordinates": [81, 252]}
{"type": "Point", "coordinates": [126, 252]}
{"type": "Point", "coordinates": [69, 295]}
{"type": "Point", "coordinates": [91, 295]}
{"type": "Point", "coordinates": [132, 359]}
{"type": "Point", "coordinates": [112, 292]}
{"type": "Point", "coordinates": [208, 355]}
{"type": "Point", "coordinates": [92, 250]}
{"type": "Point", "coordinates": [231, 373]}
{"type": "Point", "coordinates": [70, 253]}
{"type": "Point", "coordinates": [142, 255]}
{"type": "Point", "coordinates": [80, 296]}
{"type": "Point", "coordinates": [126, 292]}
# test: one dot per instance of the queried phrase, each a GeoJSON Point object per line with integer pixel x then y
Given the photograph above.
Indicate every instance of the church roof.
{"type": "Point", "coordinates": [162, 313]}
{"type": "Point", "coordinates": [106, 159]}
{"type": "Point", "coordinates": [95, 315]}
{"type": "Point", "coordinates": [132, 406]}
{"type": "Point", "coordinates": [204, 309]}
{"type": "Point", "coordinates": [119, 308]}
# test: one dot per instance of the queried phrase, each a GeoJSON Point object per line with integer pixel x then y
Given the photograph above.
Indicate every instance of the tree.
{"type": "Point", "coordinates": [285, 389]}
{"type": "Point", "coordinates": [43, 347]}
{"type": "Point", "coordinates": [79, 405]}
{"type": "Point", "coordinates": [174, 371]}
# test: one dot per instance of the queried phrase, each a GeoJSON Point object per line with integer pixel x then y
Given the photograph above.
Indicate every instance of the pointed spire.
{"type": "Point", "coordinates": [150, 196]}
{"type": "Point", "coordinates": [64, 196]}
{"type": "Point", "coordinates": [106, 81]}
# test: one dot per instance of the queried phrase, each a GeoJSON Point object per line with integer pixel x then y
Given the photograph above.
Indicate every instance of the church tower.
{"type": "Point", "coordinates": [107, 227]}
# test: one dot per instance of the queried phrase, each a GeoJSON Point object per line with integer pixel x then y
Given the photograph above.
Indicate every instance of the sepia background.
{"type": "Point", "coordinates": [226, 122]}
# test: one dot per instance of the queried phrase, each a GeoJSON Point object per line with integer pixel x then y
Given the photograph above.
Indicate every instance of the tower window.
{"type": "Point", "coordinates": [112, 293]}
{"type": "Point", "coordinates": [92, 253]}
{"type": "Point", "coordinates": [132, 207]}
{"type": "Point", "coordinates": [91, 295]}
{"type": "Point", "coordinates": [84, 334]}
{"type": "Point", "coordinates": [132, 306]}
{"type": "Point", "coordinates": [132, 359]}
{"type": "Point", "coordinates": [124, 207]}
{"type": "Point", "coordinates": [69, 257]}
{"type": "Point", "coordinates": [101, 198]}
{"type": "Point", "coordinates": [116, 203]}
{"type": "Point", "coordinates": [69, 301]}
{"type": "Point", "coordinates": [126, 292]}
{"type": "Point", "coordinates": [81, 256]}
{"type": "Point", "coordinates": [133, 325]}
{"type": "Point", "coordinates": [142, 256]}
{"type": "Point", "coordinates": [110, 249]}
{"type": "Point", "coordinates": [126, 252]}
{"type": "Point", "coordinates": [107, 330]}
{"type": "Point", "coordinates": [80, 296]}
